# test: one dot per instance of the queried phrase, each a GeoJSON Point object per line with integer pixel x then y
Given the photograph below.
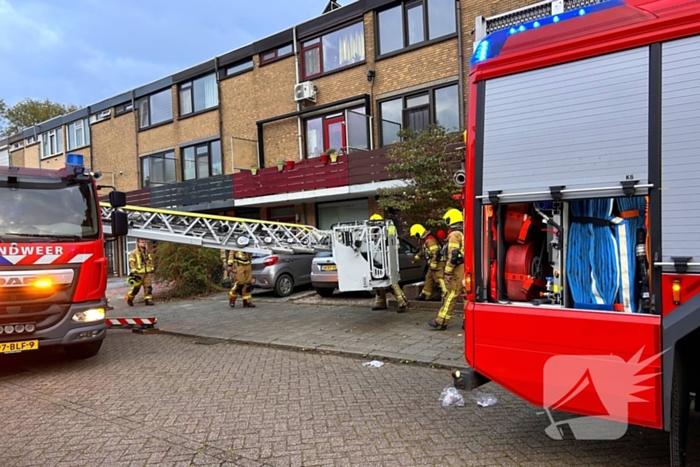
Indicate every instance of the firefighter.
{"type": "Point", "coordinates": [454, 269]}
{"type": "Point", "coordinates": [432, 252]}
{"type": "Point", "coordinates": [244, 277]}
{"type": "Point", "coordinates": [380, 294]}
{"type": "Point", "coordinates": [227, 263]}
{"type": "Point", "coordinates": [140, 273]}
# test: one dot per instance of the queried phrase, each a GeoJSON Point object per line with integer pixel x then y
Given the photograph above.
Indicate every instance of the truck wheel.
{"type": "Point", "coordinates": [284, 285]}
{"type": "Point", "coordinates": [86, 350]}
{"type": "Point", "coordinates": [680, 413]}
{"type": "Point", "coordinates": [324, 291]}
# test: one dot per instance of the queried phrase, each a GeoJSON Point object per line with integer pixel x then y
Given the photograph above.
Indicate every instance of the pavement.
{"type": "Point", "coordinates": [341, 324]}
{"type": "Point", "coordinates": [168, 401]}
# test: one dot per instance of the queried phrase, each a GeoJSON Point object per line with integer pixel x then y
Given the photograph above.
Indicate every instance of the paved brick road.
{"type": "Point", "coordinates": [165, 400]}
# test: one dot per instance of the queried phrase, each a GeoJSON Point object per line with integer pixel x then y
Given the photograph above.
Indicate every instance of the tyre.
{"type": "Point", "coordinates": [86, 350]}
{"type": "Point", "coordinates": [325, 291]}
{"type": "Point", "coordinates": [680, 412]}
{"type": "Point", "coordinates": [284, 285]}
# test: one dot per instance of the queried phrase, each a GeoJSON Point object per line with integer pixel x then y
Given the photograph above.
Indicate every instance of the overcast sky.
{"type": "Point", "coordinates": [83, 51]}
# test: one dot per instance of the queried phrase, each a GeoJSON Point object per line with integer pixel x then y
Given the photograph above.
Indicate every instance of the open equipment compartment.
{"type": "Point", "coordinates": [583, 254]}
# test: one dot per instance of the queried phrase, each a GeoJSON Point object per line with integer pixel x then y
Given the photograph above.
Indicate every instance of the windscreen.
{"type": "Point", "coordinates": [47, 210]}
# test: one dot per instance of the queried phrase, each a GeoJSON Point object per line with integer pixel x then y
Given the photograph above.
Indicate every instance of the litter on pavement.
{"type": "Point", "coordinates": [373, 364]}
{"type": "Point", "coordinates": [485, 399]}
{"type": "Point", "coordinates": [451, 397]}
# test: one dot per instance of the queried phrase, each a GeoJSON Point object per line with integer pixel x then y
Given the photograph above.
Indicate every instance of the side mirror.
{"type": "Point", "coordinates": [117, 199]}
{"type": "Point", "coordinates": [120, 224]}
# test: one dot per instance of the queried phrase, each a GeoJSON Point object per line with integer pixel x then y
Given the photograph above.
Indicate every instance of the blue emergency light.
{"type": "Point", "coordinates": [74, 159]}
{"type": "Point", "coordinates": [491, 45]}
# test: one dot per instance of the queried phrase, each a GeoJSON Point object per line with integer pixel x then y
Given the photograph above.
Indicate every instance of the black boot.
{"type": "Point", "coordinates": [421, 297]}
{"type": "Point", "coordinates": [247, 304]}
{"type": "Point", "coordinates": [434, 324]}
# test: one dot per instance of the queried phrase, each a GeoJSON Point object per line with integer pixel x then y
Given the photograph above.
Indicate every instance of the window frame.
{"type": "Point", "coordinates": [210, 165]}
{"type": "Point", "coordinates": [403, 7]}
{"type": "Point", "coordinates": [123, 108]}
{"type": "Point", "coordinates": [318, 44]}
{"type": "Point", "coordinates": [57, 134]}
{"type": "Point", "coordinates": [227, 69]}
{"type": "Point", "coordinates": [331, 115]}
{"type": "Point", "coordinates": [276, 54]}
{"type": "Point", "coordinates": [430, 91]}
{"type": "Point", "coordinates": [147, 99]}
{"type": "Point", "coordinates": [190, 85]}
{"type": "Point", "coordinates": [159, 155]}
{"type": "Point", "coordinates": [72, 130]}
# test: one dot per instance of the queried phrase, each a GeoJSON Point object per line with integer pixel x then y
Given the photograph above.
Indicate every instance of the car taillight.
{"type": "Point", "coordinates": [271, 260]}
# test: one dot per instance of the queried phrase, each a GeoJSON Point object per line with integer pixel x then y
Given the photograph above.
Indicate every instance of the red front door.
{"type": "Point", "coordinates": [334, 134]}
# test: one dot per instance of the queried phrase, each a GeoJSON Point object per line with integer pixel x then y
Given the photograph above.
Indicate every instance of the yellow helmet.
{"type": "Point", "coordinates": [417, 231]}
{"type": "Point", "coordinates": [453, 216]}
{"type": "Point", "coordinates": [376, 217]}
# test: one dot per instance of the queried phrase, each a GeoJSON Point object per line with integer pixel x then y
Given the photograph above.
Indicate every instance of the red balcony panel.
{"type": "Point", "coordinates": [305, 176]}
{"type": "Point", "coordinates": [369, 166]}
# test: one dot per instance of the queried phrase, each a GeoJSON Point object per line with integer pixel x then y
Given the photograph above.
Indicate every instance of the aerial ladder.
{"type": "Point", "coordinates": [366, 253]}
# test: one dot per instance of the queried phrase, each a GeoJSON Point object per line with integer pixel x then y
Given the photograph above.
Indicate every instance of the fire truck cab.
{"type": "Point", "coordinates": [53, 270]}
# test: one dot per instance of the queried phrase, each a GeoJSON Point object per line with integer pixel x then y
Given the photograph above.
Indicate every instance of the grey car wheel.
{"type": "Point", "coordinates": [284, 285]}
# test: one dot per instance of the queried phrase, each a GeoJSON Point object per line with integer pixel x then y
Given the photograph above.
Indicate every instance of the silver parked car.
{"type": "Point", "coordinates": [324, 272]}
{"type": "Point", "coordinates": [281, 272]}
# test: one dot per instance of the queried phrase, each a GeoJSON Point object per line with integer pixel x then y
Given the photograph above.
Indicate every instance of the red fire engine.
{"type": "Point", "coordinates": [53, 270]}
{"type": "Point", "coordinates": [582, 208]}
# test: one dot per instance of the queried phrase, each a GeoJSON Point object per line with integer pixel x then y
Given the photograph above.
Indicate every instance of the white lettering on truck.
{"type": "Point", "coordinates": [31, 250]}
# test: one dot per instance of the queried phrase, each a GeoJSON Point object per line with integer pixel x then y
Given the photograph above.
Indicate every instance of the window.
{"type": "Point", "coordinates": [239, 67]}
{"type": "Point", "coordinates": [275, 54]}
{"type": "Point", "coordinates": [332, 131]}
{"type": "Point", "coordinates": [334, 50]}
{"type": "Point", "coordinates": [156, 108]}
{"type": "Point", "coordinates": [419, 110]}
{"type": "Point", "coordinates": [415, 22]}
{"type": "Point", "coordinates": [31, 140]}
{"type": "Point", "coordinates": [52, 143]}
{"type": "Point", "coordinates": [158, 169]}
{"type": "Point", "coordinates": [124, 108]}
{"type": "Point", "coordinates": [78, 134]}
{"type": "Point", "coordinates": [202, 160]}
{"type": "Point", "coordinates": [199, 94]}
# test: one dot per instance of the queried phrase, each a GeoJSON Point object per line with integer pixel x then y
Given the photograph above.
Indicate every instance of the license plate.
{"type": "Point", "coordinates": [330, 267]}
{"type": "Point", "coordinates": [16, 347]}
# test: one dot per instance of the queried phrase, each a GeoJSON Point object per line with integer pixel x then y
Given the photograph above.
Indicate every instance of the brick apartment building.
{"type": "Point", "coordinates": [217, 137]}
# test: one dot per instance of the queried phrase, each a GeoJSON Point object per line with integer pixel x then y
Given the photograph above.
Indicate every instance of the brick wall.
{"type": "Point", "coordinates": [17, 158]}
{"type": "Point", "coordinates": [310, 211]}
{"type": "Point", "coordinates": [31, 156]}
{"type": "Point", "coordinates": [114, 150]}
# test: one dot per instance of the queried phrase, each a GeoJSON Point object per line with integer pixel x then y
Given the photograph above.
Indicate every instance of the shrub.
{"type": "Point", "coordinates": [190, 270]}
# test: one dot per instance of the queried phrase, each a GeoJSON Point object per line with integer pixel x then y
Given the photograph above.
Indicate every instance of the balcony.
{"type": "Point", "coordinates": [193, 192]}
{"type": "Point", "coordinates": [369, 167]}
{"type": "Point", "coordinates": [306, 175]}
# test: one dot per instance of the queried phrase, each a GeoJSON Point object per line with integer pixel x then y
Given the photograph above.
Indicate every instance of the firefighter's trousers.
{"type": "Point", "coordinates": [148, 290]}
{"type": "Point", "coordinates": [432, 278]}
{"type": "Point", "coordinates": [243, 279]}
{"type": "Point", "coordinates": [454, 290]}
{"type": "Point", "coordinates": [380, 297]}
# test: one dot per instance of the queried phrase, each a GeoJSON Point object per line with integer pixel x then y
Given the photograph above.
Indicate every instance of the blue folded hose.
{"type": "Point", "coordinates": [592, 264]}
{"type": "Point", "coordinates": [626, 231]}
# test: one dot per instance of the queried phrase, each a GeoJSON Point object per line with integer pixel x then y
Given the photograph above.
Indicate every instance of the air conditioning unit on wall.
{"type": "Point", "coordinates": [305, 91]}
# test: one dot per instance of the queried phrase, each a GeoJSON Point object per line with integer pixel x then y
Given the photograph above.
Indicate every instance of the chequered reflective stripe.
{"type": "Point", "coordinates": [70, 257]}
{"type": "Point", "coordinates": [131, 321]}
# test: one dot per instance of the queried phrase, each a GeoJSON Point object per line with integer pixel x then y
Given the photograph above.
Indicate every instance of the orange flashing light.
{"type": "Point", "coordinates": [468, 283]}
{"type": "Point", "coordinates": [676, 288]}
{"type": "Point", "coordinates": [43, 283]}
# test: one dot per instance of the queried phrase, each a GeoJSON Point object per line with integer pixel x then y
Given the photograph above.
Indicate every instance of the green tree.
{"type": "Point", "coordinates": [190, 270]}
{"type": "Point", "coordinates": [29, 112]}
{"type": "Point", "coordinates": [428, 160]}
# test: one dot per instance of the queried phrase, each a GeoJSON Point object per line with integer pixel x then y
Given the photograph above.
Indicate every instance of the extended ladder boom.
{"type": "Point", "coordinates": [229, 233]}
